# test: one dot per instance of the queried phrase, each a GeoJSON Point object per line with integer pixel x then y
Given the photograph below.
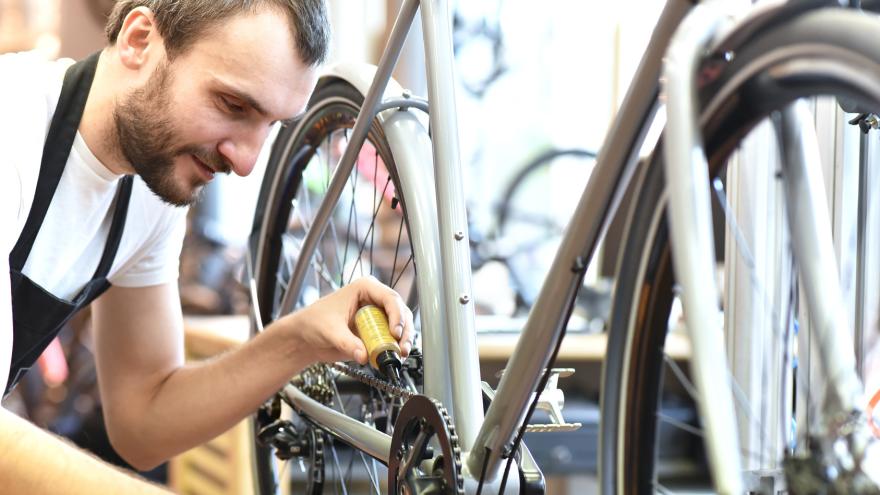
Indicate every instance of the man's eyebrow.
{"type": "Point", "coordinates": [252, 102]}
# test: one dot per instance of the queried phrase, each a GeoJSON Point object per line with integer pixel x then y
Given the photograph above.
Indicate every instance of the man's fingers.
{"type": "Point", "coordinates": [395, 309]}
{"type": "Point", "coordinates": [400, 318]}
{"type": "Point", "coordinates": [351, 345]}
{"type": "Point", "coordinates": [406, 341]}
{"type": "Point", "coordinates": [359, 351]}
{"type": "Point", "coordinates": [360, 355]}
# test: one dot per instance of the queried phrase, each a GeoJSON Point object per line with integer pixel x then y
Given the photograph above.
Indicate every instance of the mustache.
{"type": "Point", "coordinates": [209, 157]}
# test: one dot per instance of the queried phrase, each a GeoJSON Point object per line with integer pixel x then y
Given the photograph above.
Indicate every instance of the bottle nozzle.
{"type": "Point", "coordinates": [393, 374]}
{"type": "Point", "coordinates": [389, 365]}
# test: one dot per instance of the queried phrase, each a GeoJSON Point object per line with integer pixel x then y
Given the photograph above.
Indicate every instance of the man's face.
{"type": "Point", "coordinates": [210, 109]}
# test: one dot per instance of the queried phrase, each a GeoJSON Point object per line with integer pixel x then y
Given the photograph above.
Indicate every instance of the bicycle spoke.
{"type": "Point", "coordinates": [375, 208]}
{"type": "Point", "coordinates": [369, 232]}
{"type": "Point", "coordinates": [348, 470]}
{"type": "Point", "coordinates": [681, 377]}
{"type": "Point", "coordinates": [298, 215]}
{"type": "Point", "coordinates": [348, 230]}
{"type": "Point", "coordinates": [335, 240]}
{"type": "Point", "coordinates": [681, 425]}
{"type": "Point", "coordinates": [307, 200]}
{"type": "Point", "coordinates": [693, 430]}
{"type": "Point", "coordinates": [408, 261]}
{"type": "Point", "coordinates": [338, 469]}
{"type": "Point", "coordinates": [661, 489]}
{"type": "Point", "coordinates": [396, 251]}
{"type": "Point", "coordinates": [328, 172]}
{"type": "Point", "coordinates": [329, 157]}
{"type": "Point", "coordinates": [691, 389]}
{"type": "Point", "coordinates": [281, 282]}
{"type": "Point", "coordinates": [778, 330]}
{"type": "Point", "coordinates": [744, 250]}
{"type": "Point", "coordinates": [373, 480]}
{"type": "Point", "coordinates": [321, 269]}
{"type": "Point", "coordinates": [740, 397]}
{"type": "Point", "coordinates": [372, 473]}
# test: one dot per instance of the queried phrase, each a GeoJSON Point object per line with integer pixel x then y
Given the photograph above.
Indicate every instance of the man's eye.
{"type": "Point", "coordinates": [232, 107]}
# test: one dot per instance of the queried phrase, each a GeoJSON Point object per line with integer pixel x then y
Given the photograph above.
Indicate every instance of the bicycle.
{"type": "Point", "coordinates": [433, 434]}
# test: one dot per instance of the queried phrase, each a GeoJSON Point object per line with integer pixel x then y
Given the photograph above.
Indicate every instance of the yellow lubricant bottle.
{"type": "Point", "coordinates": [372, 326]}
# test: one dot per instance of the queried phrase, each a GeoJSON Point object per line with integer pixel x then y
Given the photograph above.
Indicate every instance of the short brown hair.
{"type": "Point", "coordinates": [180, 22]}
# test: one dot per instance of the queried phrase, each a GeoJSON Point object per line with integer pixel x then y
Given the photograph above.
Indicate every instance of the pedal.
{"type": "Point", "coordinates": [553, 427]}
{"type": "Point", "coordinates": [551, 400]}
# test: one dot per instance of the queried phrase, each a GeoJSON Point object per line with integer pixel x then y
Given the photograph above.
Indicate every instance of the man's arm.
{"type": "Point", "coordinates": [32, 461]}
{"type": "Point", "coordinates": [156, 407]}
{"type": "Point", "coordinates": [35, 462]}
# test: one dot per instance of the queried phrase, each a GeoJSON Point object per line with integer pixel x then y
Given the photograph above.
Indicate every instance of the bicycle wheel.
{"type": "Point", "coordinates": [530, 230]}
{"type": "Point", "coordinates": [637, 422]}
{"type": "Point", "coordinates": [366, 234]}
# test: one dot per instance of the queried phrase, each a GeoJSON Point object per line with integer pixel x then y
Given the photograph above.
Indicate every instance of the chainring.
{"type": "Point", "coordinates": [412, 467]}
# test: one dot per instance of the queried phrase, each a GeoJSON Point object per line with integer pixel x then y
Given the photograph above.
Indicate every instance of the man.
{"type": "Point", "coordinates": [185, 89]}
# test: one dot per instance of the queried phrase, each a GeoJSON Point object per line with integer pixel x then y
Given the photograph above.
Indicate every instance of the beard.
{"type": "Point", "coordinates": [146, 138]}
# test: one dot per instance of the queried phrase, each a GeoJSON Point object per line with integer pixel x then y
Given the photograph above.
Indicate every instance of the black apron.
{"type": "Point", "coordinates": [37, 315]}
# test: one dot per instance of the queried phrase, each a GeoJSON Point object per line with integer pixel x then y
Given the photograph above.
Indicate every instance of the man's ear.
{"type": "Point", "coordinates": [139, 39]}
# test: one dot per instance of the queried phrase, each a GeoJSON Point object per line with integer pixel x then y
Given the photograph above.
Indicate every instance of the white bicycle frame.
{"type": "Point", "coordinates": [437, 219]}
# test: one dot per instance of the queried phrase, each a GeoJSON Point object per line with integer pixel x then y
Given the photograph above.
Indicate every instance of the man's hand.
{"type": "Point", "coordinates": [325, 328]}
{"type": "Point", "coordinates": [155, 407]}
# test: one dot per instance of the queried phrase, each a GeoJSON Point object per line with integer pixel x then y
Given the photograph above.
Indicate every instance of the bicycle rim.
{"type": "Point", "coordinates": [367, 235]}
{"type": "Point", "coordinates": [746, 91]}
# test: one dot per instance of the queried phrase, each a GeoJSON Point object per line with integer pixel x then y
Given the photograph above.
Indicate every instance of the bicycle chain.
{"type": "Point", "coordinates": [373, 381]}
{"type": "Point", "coordinates": [406, 394]}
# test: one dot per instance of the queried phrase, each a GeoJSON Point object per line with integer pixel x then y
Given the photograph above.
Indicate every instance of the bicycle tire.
{"type": "Point", "coordinates": [639, 321]}
{"type": "Point", "coordinates": [290, 178]}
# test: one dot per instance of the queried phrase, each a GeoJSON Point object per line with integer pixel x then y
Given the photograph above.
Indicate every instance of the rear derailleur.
{"type": "Point", "coordinates": [304, 443]}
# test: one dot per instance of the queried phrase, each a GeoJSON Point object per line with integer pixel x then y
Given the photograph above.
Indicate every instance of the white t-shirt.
{"type": "Point", "coordinates": [73, 234]}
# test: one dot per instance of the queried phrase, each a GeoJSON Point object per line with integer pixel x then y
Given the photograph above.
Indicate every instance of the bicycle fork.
{"type": "Point", "coordinates": [694, 257]}
{"type": "Point", "coordinates": [842, 436]}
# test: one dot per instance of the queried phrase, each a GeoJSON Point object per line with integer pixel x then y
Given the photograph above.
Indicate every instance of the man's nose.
{"type": "Point", "coordinates": [242, 151]}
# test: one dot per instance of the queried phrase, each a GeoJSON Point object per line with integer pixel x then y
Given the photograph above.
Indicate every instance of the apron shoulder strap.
{"type": "Point", "coordinates": [62, 131]}
{"type": "Point", "coordinates": [123, 194]}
